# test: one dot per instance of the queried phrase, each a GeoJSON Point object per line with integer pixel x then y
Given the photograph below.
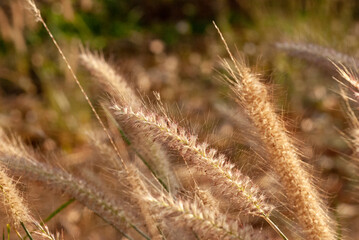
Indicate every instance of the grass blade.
{"type": "Point", "coordinates": [26, 231]}
{"type": "Point", "coordinates": [58, 210]}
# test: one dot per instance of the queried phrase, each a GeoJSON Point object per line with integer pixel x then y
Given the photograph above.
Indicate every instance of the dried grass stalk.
{"type": "Point", "coordinates": [208, 224]}
{"type": "Point", "coordinates": [352, 137]}
{"type": "Point", "coordinates": [12, 200]}
{"type": "Point", "coordinates": [231, 182]}
{"type": "Point", "coordinates": [37, 14]}
{"type": "Point", "coordinates": [22, 162]}
{"type": "Point", "coordinates": [112, 82]}
{"type": "Point", "coordinates": [321, 56]}
{"type": "Point", "coordinates": [115, 85]}
{"type": "Point", "coordinates": [17, 208]}
{"type": "Point", "coordinates": [138, 191]}
{"type": "Point", "coordinates": [350, 77]}
{"type": "Point", "coordinates": [253, 97]}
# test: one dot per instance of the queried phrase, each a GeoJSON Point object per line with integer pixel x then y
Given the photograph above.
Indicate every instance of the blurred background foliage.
{"type": "Point", "coordinates": [164, 44]}
{"type": "Point", "coordinates": [171, 46]}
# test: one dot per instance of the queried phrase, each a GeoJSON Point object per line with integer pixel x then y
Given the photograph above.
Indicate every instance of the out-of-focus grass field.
{"type": "Point", "coordinates": [171, 47]}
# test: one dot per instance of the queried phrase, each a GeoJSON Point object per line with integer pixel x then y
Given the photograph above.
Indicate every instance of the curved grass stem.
{"type": "Point", "coordinates": [275, 227]}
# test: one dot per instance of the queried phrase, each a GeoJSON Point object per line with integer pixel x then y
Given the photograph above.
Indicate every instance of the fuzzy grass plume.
{"type": "Point", "coordinates": [22, 162]}
{"type": "Point", "coordinates": [111, 81]}
{"type": "Point", "coordinates": [223, 174]}
{"type": "Point", "coordinates": [207, 223]}
{"type": "Point", "coordinates": [114, 84]}
{"type": "Point", "coordinates": [12, 200]}
{"type": "Point", "coordinates": [321, 56]}
{"type": "Point", "coordinates": [253, 97]}
{"type": "Point", "coordinates": [15, 205]}
{"type": "Point", "coordinates": [226, 179]}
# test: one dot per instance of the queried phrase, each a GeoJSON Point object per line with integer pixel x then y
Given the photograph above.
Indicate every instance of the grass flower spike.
{"type": "Point", "coordinates": [253, 97]}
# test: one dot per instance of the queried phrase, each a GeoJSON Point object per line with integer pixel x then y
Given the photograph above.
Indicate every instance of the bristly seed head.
{"type": "Point", "coordinates": [228, 181]}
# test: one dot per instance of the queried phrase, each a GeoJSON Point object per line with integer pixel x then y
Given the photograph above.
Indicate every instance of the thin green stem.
{"type": "Point", "coordinates": [8, 231]}
{"type": "Point", "coordinates": [140, 232]}
{"type": "Point", "coordinates": [151, 170]}
{"type": "Point", "coordinates": [26, 231]}
{"type": "Point", "coordinates": [119, 230]}
{"type": "Point", "coordinates": [58, 210]}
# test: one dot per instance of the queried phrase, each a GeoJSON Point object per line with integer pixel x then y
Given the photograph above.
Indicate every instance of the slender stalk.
{"type": "Point", "coordinates": [8, 231]}
{"type": "Point", "coordinates": [275, 227]}
{"type": "Point", "coordinates": [140, 232]}
{"type": "Point", "coordinates": [26, 231]}
{"type": "Point", "coordinates": [58, 210]}
{"type": "Point", "coordinates": [38, 16]}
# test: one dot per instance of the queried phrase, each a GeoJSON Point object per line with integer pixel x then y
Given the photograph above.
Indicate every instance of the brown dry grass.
{"type": "Point", "coordinates": [149, 177]}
